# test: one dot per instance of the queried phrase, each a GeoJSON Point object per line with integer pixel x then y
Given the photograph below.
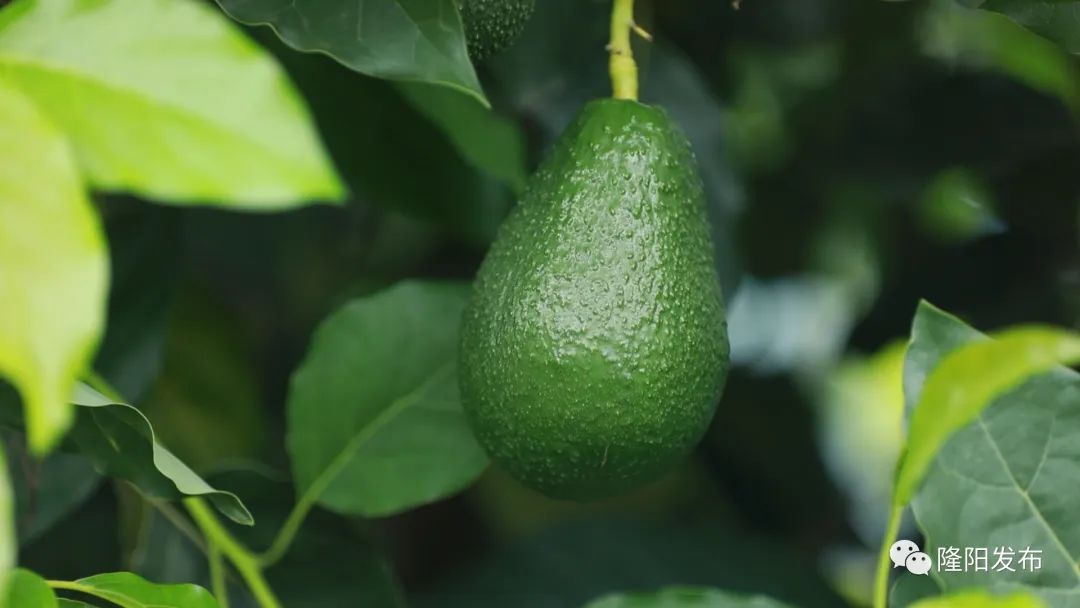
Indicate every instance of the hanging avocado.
{"type": "Point", "coordinates": [594, 348]}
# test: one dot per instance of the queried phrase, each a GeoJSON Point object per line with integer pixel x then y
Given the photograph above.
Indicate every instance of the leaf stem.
{"type": "Point", "coordinates": [217, 576]}
{"type": "Point", "coordinates": [881, 581]}
{"type": "Point", "coordinates": [246, 563]}
{"type": "Point", "coordinates": [288, 531]}
{"type": "Point", "coordinates": [624, 77]}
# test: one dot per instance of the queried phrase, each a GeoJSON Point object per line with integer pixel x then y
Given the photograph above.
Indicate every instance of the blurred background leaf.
{"type": "Point", "coordinates": [861, 434]}
{"type": "Point", "coordinates": [24, 588]}
{"type": "Point", "coordinates": [978, 39]}
{"type": "Point", "coordinates": [1055, 19]}
{"type": "Point", "coordinates": [982, 599]}
{"type": "Point", "coordinates": [53, 281]}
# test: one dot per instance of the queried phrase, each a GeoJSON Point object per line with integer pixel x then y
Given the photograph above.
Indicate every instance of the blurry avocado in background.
{"type": "Point", "coordinates": [492, 25]}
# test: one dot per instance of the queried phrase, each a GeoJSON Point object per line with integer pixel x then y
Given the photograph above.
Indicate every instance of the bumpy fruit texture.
{"type": "Point", "coordinates": [594, 347]}
{"type": "Point", "coordinates": [491, 25]}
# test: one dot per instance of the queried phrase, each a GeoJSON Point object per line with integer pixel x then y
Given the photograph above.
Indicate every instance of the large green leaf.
{"type": "Point", "coordinates": [1055, 19]}
{"type": "Point", "coordinates": [964, 384]}
{"type": "Point", "coordinates": [1010, 477]}
{"type": "Point", "coordinates": [54, 275]}
{"type": "Point", "coordinates": [26, 589]}
{"type": "Point", "coordinates": [685, 597]}
{"type": "Point", "coordinates": [410, 40]}
{"type": "Point", "coordinates": [128, 590]}
{"type": "Point", "coordinates": [375, 421]}
{"type": "Point", "coordinates": [120, 441]}
{"type": "Point", "coordinates": [981, 599]}
{"type": "Point", "coordinates": [167, 99]}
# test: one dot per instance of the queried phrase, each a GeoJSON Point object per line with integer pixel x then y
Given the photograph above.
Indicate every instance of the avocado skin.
{"type": "Point", "coordinates": [492, 25]}
{"type": "Point", "coordinates": [594, 347]}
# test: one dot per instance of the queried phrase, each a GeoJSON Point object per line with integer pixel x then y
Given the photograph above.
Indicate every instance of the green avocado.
{"type": "Point", "coordinates": [594, 347]}
{"type": "Point", "coordinates": [491, 25]}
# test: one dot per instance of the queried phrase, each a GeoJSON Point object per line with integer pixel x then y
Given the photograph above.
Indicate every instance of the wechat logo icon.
{"type": "Point", "coordinates": [907, 554]}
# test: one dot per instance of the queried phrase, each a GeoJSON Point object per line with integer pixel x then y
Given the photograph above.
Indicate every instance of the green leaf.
{"type": "Point", "coordinates": [66, 603]}
{"type": "Point", "coordinates": [375, 421]}
{"type": "Point", "coordinates": [1009, 478]}
{"type": "Point", "coordinates": [486, 140]}
{"type": "Point", "coordinates": [26, 589]}
{"type": "Point", "coordinates": [983, 39]}
{"type": "Point", "coordinates": [966, 382]}
{"type": "Point", "coordinates": [119, 439]}
{"type": "Point", "coordinates": [185, 108]}
{"type": "Point", "coordinates": [128, 590]}
{"type": "Point", "coordinates": [685, 597]}
{"type": "Point", "coordinates": [934, 334]}
{"type": "Point", "coordinates": [1053, 19]}
{"type": "Point", "coordinates": [981, 599]}
{"type": "Point", "coordinates": [54, 276]}
{"type": "Point", "coordinates": [409, 40]}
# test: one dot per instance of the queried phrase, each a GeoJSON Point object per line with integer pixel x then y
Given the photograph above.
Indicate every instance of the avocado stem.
{"type": "Point", "coordinates": [624, 80]}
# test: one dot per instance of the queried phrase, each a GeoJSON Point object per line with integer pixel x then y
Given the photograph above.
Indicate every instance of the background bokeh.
{"type": "Point", "coordinates": [858, 156]}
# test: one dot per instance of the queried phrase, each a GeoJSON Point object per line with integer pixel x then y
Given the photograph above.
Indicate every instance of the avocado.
{"type": "Point", "coordinates": [491, 25]}
{"type": "Point", "coordinates": [594, 347]}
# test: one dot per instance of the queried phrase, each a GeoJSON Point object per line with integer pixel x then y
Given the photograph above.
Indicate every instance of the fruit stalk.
{"type": "Point", "coordinates": [624, 80]}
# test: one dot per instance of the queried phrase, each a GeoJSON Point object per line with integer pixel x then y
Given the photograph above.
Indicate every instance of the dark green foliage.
{"type": "Point", "coordinates": [594, 349]}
